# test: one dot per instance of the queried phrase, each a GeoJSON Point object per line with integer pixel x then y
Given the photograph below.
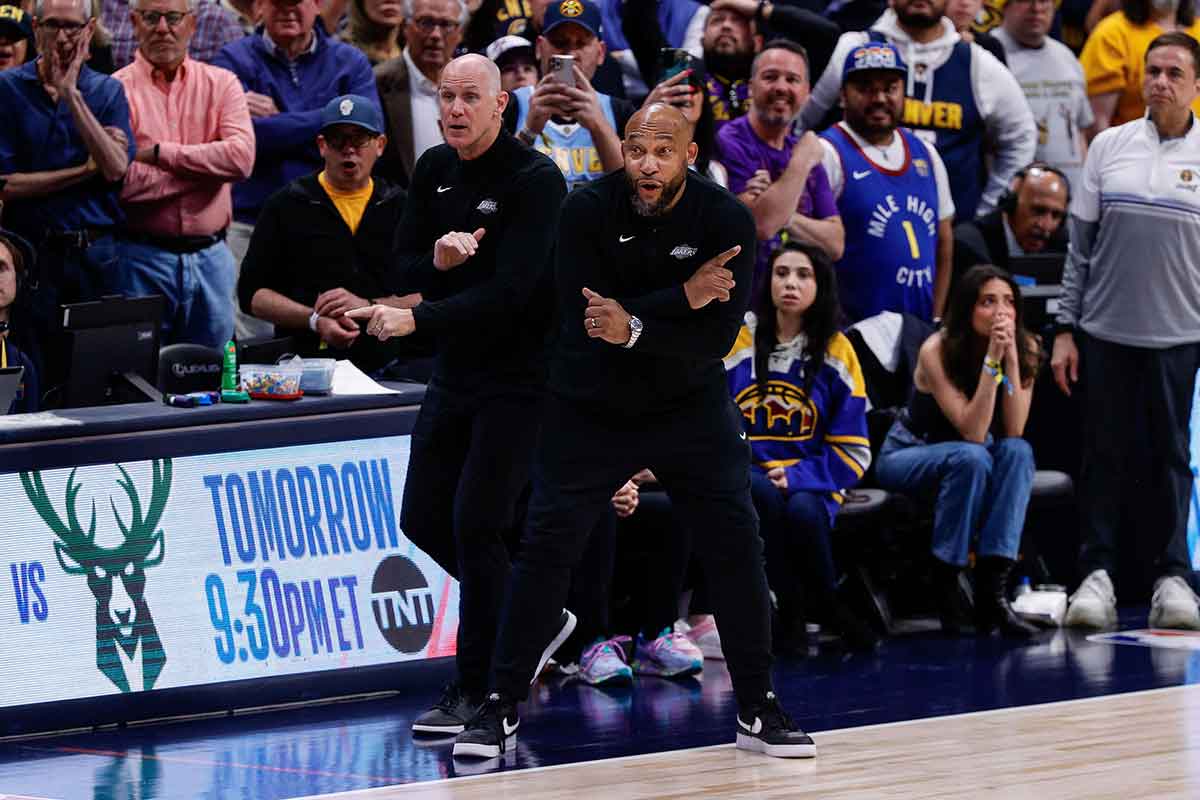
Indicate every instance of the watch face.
{"type": "Point", "coordinates": [635, 324]}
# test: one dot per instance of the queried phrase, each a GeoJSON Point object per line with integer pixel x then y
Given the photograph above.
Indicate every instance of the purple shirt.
{"type": "Point", "coordinates": [728, 99]}
{"type": "Point", "coordinates": [742, 154]}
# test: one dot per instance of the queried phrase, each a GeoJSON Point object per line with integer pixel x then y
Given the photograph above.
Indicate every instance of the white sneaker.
{"type": "Point", "coordinates": [1175, 605]}
{"type": "Point", "coordinates": [1094, 605]}
{"type": "Point", "coordinates": [704, 635]}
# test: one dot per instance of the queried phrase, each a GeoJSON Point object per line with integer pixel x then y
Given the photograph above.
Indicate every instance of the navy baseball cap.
{"type": "Point", "coordinates": [352, 109]}
{"type": "Point", "coordinates": [874, 56]}
{"type": "Point", "coordinates": [583, 13]}
{"type": "Point", "coordinates": [16, 21]}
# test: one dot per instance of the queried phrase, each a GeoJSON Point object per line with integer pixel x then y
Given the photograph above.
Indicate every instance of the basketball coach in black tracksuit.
{"type": "Point", "coordinates": [653, 274]}
{"type": "Point", "coordinates": [475, 240]}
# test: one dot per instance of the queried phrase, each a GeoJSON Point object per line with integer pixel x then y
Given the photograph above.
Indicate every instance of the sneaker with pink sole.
{"type": "Point", "coordinates": [669, 655]}
{"type": "Point", "coordinates": [704, 635]}
{"type": "Point", "coordinates": [604, 663]}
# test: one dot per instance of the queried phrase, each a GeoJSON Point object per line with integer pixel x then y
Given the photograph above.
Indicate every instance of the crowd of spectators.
{"type": "Point", "coordinates": [250, 162]}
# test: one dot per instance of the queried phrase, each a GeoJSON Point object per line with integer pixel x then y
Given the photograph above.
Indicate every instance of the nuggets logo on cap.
{"type": "Point", "coordinates": [571, 8]}
{"type": "Point", "coordinates": [12, 12]}
{"type": "Point", "coordinates": [875, 57]}
{"type": "Point", "coordinates": [346, 107]}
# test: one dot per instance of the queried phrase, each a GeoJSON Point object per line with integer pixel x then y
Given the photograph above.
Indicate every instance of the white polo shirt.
{"type": "Point", "coordinates": [423, 94]}
{"type": "Point", "coordinates": [1133, 272]}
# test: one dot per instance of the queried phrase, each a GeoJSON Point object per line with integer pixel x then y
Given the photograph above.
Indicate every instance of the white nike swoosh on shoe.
{"type": "Point", "coordinates": [858, 176]}
{"type": "Point", "coordinates": [509, 731]}
{"type": "Point", "coordinates": [756, 728]}
{"type": "Point", "coordinates": [624, 239]}
{"type": "Point", "coordinates": [441, 189]}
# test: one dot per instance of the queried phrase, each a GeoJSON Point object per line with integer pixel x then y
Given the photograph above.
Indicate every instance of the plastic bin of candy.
{"type": "Point", "coordinates": [272, 381]}
{"type": "Point", "coordinates": [318, 375]}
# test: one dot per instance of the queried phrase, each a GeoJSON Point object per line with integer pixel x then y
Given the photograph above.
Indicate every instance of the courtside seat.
{"type": "Point", "coordinates": [861, 503]}
{"type": "Point", "coordinates": [1051, 485]}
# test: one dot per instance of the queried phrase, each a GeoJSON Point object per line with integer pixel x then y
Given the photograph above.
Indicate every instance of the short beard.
{"type": "Point", "coordinates": [919, 21]}
{"type": "Point", "coordinates": [735, 66]}
{"type": "Point", "coordinates": [667, 196]}
{"type": "Point", "coordinates": [771, 119]}
{"type": "Point", "coordinates": [859, 124]}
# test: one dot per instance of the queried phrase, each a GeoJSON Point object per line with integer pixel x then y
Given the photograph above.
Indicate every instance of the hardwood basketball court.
{"type": "Point", "coordinates": [1137, 745]}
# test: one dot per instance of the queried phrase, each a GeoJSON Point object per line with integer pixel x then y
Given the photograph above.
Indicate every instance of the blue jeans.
{"type": "Point", "coordinates": [980, 487]}
{"type": "Point", "coordinates": [198, 287]}
{"type": "Point", "coordinates": [796, 530]}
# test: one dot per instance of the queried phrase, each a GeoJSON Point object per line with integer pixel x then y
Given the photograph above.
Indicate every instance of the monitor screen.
{"type": "Point", "coordinates": [106, 341]}
{"type": "Point", "coordinates": [1038, 268]}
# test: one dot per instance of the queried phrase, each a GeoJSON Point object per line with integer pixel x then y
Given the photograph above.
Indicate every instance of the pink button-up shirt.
{"type": "Point", "coordinates": [206, 142]}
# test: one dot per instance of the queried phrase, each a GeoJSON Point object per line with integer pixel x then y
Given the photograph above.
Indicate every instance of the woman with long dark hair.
{"type": "Point", "coordinates": [799, 386]}
{"type": "Point", "coordinates": [961, 435]}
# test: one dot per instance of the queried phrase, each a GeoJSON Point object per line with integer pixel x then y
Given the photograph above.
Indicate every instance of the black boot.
{"type": "Point", "coordinates": [953, 599]}
{"type": "Point", "coordinates": [991, 607]}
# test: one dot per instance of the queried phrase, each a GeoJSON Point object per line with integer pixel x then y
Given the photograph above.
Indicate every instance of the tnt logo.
{"type": "Point", "coordinates": [403, 604]}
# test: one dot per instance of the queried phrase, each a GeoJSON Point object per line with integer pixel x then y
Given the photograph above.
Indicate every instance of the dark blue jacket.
{"type": "Point", "coordinates": [28, 394]}
{"type": "Point", "coordinates": [286, 143]}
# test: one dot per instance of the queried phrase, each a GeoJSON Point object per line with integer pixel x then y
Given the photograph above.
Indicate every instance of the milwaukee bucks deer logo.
{"type": "Point", "coordinates": [116, 576]}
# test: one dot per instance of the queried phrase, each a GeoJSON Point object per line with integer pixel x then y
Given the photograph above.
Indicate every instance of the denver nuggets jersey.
{"type": "Point", "coordinates": [891, 222]}
{"type": "Point", "coordinates": [570, 145]}
{"type": "Point", "coordinates": [944, 105]}
{"type": "Point", "coordinates": [818, 436]}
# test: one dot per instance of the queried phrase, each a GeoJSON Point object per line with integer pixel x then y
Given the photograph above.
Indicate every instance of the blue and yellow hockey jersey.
{"type": "Point", "coordinates": [819, 437]}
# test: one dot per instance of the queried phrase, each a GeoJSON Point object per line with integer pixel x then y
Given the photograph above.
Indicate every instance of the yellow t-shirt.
{"type": "Point", "coordinates": [1114, 60]}
{"type": "Point", "coordinates": [350, 205]}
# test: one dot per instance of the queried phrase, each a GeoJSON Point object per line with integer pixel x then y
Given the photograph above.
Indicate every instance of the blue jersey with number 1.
{"type": "Point", "coordinates": [891, 222]}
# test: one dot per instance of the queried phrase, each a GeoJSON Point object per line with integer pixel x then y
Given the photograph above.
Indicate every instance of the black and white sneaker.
{"type": "Point", "coordinates": [491, 731]}
{"type": "Point", "coordinates": [448, 715]}
{"type": "Point", "coordinates": [766, 728]}
{"type": "Point", "coordinates": [566, 625]}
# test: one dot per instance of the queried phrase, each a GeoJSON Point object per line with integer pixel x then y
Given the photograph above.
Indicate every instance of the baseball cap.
{"type": "Point", "coordinates": [352, 109]}
{"type": "Point", "coordinates": [874, 56]}
{"type": "Point", "coordinates": [584, 13]}
{"type": "Point", "coordinates": [16, 21]}
{"type": "Point", "coordinates": [507, 45]}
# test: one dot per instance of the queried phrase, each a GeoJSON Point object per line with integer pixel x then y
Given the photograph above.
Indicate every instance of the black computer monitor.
{"type": "Point", "coordinates": [1042, 268]}
{"type": "Point", "coordinates": [112, 346]}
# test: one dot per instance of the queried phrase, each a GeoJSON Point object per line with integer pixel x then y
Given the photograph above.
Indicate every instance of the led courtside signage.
{"type": "Point", "coordinates": [181, 572]}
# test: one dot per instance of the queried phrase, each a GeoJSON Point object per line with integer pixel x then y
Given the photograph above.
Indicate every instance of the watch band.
{"type": "Point", "coordinates": [1064, 327]}
{"type": "Point", "coordinates": [312, 321]}
{"type": "Point", "coordinates": [635, 330]}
